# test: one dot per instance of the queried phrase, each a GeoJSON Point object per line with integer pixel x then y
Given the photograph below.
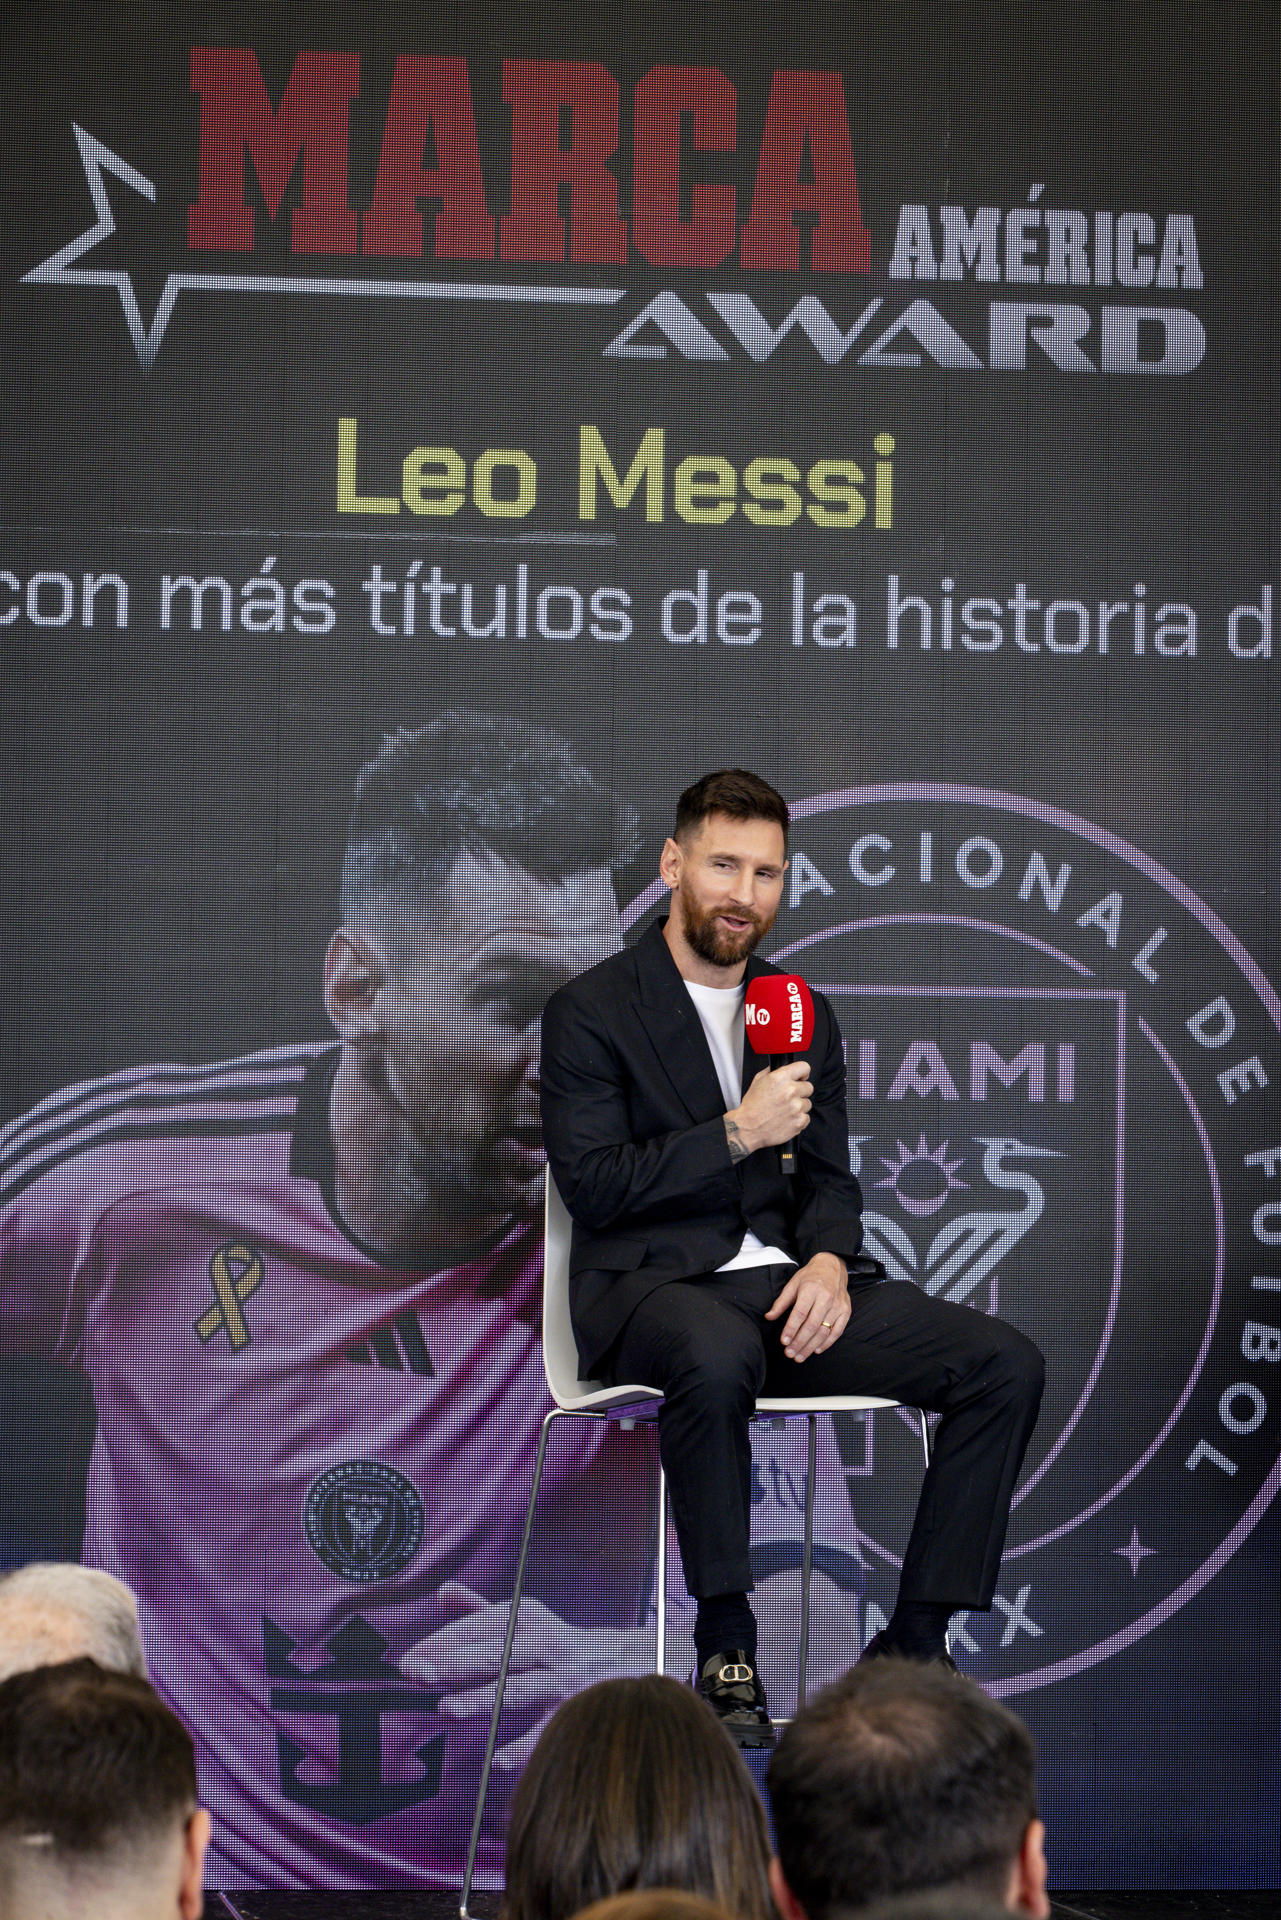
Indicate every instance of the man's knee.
{"type": "Point", "coordinates": [999, 1361]}
{"type": "Point", "coordinates": [1018, 1363]}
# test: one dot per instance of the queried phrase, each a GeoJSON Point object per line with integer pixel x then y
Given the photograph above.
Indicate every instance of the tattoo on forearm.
{"type": "Point", "coordinates": [737, 1145]}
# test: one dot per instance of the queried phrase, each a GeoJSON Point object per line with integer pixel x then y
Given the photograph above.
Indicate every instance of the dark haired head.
{"type": "Point", "coordinates": [900, 1777]}
{"type": "Point", "coordinates": [732, 791]}
{"type": "Point", "coordinates": [634, 1784]}
{"type": "Point", "coordinates": [89, 1760]}
{"type": "Point", "coordinates": [479, 783]}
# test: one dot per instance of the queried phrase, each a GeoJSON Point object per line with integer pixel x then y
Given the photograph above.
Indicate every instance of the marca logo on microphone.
{"type": "Point", "coordinates": [778, 1013]}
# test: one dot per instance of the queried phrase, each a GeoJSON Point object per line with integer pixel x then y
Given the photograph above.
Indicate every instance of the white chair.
{"type": "Point", "coordinates": [590, 1400]}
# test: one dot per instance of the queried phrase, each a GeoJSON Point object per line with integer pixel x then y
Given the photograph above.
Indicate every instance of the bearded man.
{"type": "Point", "coordinates": [699, 1267]}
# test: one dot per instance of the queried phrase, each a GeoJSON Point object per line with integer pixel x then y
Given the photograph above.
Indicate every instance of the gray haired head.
{"type": "Point", "coordinates": [52, 1611]}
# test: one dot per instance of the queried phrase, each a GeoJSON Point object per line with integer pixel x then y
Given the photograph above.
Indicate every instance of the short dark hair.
{"type": "Point", "coordinates": [733, 791]}
{"type": "Point", "coordinates": [901, 1776]}
{"type": "Point", "coordinates": [89, 1759]}
{"type": "Point", "coordinates": [480, 783]}
{"type": "Point", "coordinates": [634, 1784]}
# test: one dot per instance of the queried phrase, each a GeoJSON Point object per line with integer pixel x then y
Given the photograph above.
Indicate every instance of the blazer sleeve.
{"type": "Point", "coordinates": [829, 1203]}
{"type": "Point", "coordinates": [613, 1159]}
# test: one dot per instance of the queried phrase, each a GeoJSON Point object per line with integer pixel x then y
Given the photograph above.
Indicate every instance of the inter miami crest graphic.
{"type": "Point", "coordinates": [959, 1256]}
{"type": "Point", "coordinates": [1061, 1069]}
{"type": "Point", "coordinates": [364, 1520]}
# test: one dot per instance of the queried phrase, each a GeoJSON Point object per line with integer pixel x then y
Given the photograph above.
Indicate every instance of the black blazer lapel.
{"type": "Point", "coordinates": [671, 1020]}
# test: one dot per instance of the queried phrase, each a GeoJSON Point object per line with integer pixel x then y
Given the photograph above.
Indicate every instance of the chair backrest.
{"type": "Point", "coordinates": [560, 1351]}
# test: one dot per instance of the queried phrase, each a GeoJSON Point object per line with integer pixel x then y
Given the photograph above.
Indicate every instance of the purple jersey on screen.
{"type": "Point", "coordinates": [298, 1446]}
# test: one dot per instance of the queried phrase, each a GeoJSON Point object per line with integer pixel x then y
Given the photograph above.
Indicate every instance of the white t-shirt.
{"type": "Point", "coordinates": [721, 1011]}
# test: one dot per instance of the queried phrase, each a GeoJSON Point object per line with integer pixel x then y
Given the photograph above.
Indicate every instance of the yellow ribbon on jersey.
{"type": "Point", "coordinates": [236, 1271]}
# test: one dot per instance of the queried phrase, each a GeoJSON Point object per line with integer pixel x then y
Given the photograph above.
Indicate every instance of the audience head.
{"type": "Point", "coordinates": [634, 1785]}
{"type": "Point", "coordinates": [55, 1610]}
{"type": "Point", "coordinates": [900, 1778]}
{"type": "Point", "coordinates": [98, 1806]}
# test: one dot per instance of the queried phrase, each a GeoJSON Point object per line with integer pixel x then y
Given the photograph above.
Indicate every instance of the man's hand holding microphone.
{"type": "Point", "coordinates": [778, 1016]}
{"type": "Point", "coordinates": [775, 1108]}
{"type": "Point", "coordinates": [778, 1019]}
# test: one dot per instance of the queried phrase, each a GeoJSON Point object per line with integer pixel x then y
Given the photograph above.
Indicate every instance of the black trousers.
{"type": "Point", "coordinates": [706, 1344]}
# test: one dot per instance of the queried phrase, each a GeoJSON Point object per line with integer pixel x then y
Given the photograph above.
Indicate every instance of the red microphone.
{"type": "Point", "coordinates": [778, 1017]}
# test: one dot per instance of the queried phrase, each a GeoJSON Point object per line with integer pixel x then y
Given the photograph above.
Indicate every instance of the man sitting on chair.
{"type": "Point", "coordinates": [700, 1268]}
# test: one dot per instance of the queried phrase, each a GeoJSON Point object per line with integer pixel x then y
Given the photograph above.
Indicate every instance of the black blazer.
{"type": "Point", "coordinates": [633, 1118]}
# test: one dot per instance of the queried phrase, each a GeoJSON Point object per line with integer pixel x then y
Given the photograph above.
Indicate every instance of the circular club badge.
{"type": "Point", "coordinates": [1061, 1072]}
{"type": "Point", "coordinates": [363, 1519]}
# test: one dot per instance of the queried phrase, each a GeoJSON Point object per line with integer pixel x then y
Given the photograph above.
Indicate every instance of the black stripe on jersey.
{"type": "Point", "coordinates": [151, 1130]}
{"type": "Point", "coordinates": [27, 1126]}
{"type": "Point", "coordinates": [386, 1352]}
{"type": "Point", "coordinates": [140, 1102]}
{"type": "Point", "coordinates": [411, 1339]}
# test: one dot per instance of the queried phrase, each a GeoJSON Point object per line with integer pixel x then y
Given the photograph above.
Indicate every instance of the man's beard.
{"type": "Point", "coordinates": [716, 944]}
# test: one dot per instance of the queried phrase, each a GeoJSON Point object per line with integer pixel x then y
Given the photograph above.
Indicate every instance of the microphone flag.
{"type": "Point", "coordinates": [778, 1014]}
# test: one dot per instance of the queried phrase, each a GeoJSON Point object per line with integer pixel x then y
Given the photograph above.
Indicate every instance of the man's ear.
{"type": "Point", "coordinates": [191, 1899]}
{"type": "Point", "coordinates": [669, 862]}
{"type": "Point", "coordinates": [355, 970]}
{"type": "Point", "coordinates": [1030, 1873]}
{"type": "Point", "coordinates": [784, 1899]}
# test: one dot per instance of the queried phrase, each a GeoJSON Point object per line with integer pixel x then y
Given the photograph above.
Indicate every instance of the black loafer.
{"type": "Point", "coordinates": [732, 1688]}
{"type": "Point", "coordinates": [879, 1648]}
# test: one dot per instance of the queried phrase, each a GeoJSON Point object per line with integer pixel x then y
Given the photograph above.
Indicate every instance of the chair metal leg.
{"type": "Point", "coordinates": [491, 1744]}
{"type": "Point", "coordinates": [660, 1581]}
{"type": "Point", "coordinates": [807, 1557]}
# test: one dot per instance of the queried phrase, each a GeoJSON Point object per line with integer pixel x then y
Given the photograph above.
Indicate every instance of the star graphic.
{"type": "Point", "coordinates": [1134, 1552]}
{"type": "Point", "coordinates": [60, 270]}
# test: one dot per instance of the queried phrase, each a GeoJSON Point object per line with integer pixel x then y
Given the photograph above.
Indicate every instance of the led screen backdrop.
{"type": "Point", "coordinates": [884, 398]}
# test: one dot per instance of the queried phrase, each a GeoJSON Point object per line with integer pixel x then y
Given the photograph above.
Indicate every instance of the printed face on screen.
{"type": "Point", "coordinates": [461, 1019]}
{"type": "Point", "coordinates": [727, 882]}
